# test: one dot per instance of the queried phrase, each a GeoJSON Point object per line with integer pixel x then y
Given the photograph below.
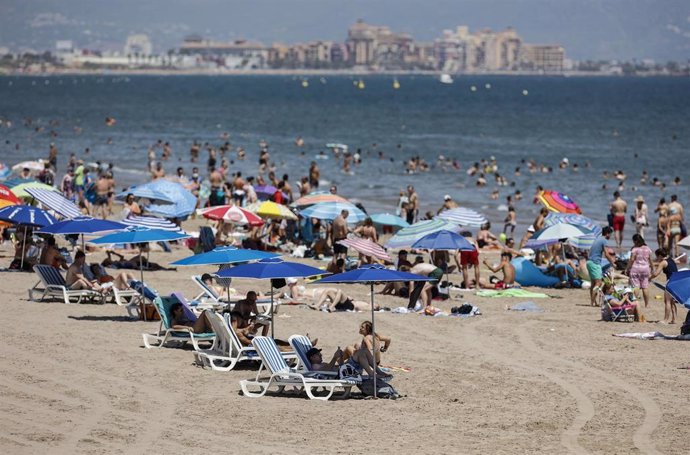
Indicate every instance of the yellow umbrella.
{"type": "Point", "coordinates": [20, 190]}
{"type": "Point", "coordinates": [269, 209]}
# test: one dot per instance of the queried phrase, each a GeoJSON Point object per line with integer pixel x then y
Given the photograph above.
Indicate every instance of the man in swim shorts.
{"type": "Point", "coordinates": [618, 208]}
{"type": "Point", "coordinates": [596, 252]}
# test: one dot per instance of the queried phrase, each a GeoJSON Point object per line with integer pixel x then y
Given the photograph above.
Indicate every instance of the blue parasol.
{"type": "Point", "coordinates": [679, 287]}
{"type": "Point", "coordinates": [82, 225]}
{"type": "Point", "coordinates": [224, 255]}
{"type": "Point", "coordinates": [388, 219]}
{"type": "Point", "coordinates": [28, 216]}
{"type": "Point", "coordinates": [330, 210]}
{"type": "Point", "coordinates": [443, 240]}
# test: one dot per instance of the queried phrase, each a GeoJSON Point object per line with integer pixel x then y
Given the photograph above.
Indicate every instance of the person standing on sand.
{"type": "Point", "coordinates": [101, 201]}
{"type": "Point", "coordinates": [617, 209]}
{"type": "Point", "coordinates": [340, 231]}
{"type": "Point", "coordinates": [640, 267]}
{"type": "Point", "coordinates": [640, 216]}
{"type": "Point", "coordinates": [314, 175]}
{"type": "Point", "coordinates": [596, 252]}
{"type": "Point", "coordinates": [413, 205]}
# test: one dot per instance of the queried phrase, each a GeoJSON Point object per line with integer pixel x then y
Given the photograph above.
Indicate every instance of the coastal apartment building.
{"type": "Point", "coordinates": [547, 58]}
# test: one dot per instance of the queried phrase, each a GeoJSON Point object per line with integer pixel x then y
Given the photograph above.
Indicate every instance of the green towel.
{"type": "Point", "coordinates": [512, 293]}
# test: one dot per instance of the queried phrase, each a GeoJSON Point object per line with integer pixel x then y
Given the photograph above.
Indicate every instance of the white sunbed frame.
{"type": "Point", "coordinates": [167, 334]}
{"type": "Point", "coordinates": [282, 376]}
{"type": "Point", "coordinates": [54, 286]}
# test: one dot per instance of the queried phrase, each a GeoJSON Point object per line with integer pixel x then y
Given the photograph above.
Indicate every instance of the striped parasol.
{"type": "Point", "coordinates": [55, 201]}
{"type": "Point", "coordinates": [462, 216]}
{"type": "Point", "coordinates": [584, 242]}
{"type": "Point", "coordinates": [366, 247]}
{"type": "Point", "coordinates": [152, 222]}
{"type": "Point", "coordinates": [558, 202]}
{"type": "Point", "coordinates": [317, 197]}
{"type": "Point", "coordinates": [232, 214]}
{"type": "Point", "coordinates": [406, 237]}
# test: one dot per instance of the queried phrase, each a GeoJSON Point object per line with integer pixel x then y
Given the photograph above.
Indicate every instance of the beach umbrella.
{"type": "Point", "coordinates": [558, 202]}
{"type": "Point", "coordinates": [180, 201]}
{"type": "Point", "coordinates": [556, 233]}
{"type": "Point", "coordinates": [269, 209]}
{"type": "Point", "coordinates": [270, 269]}
{"type": "Point", "coordinates": [21, 189]}
{"type": "Point", "coordinates": [679, 287]}
{"type": "Point", "coordinates": [685, 243]}
{"type": "Point", "coordinates": [139, 235]}
{"type": "Point", "coordinates": [584, 242]}
{"type": "Point", "coordinates": [443, 240]}
{"type": "Point", "coordinates": [148, 191]}
{"type": "Point", "coordinates": [7, 197]}
{"type": "Point", "coordinates": [27, 216]}
{"type": "Point", "coordinates": [366, 247]}
{"type": "Point", "coordinates": [462, 216]}
{"type": "Point", "coordinates": [388, 219]}
{"type": "Point", "coordinates": [317, 197]}
{"type": "Point", "coordinates": [36, 165]}
{"type": "Point", "coordinates": [265, 192]}
{"type": "Point", "coordinates": [55, 201]}
{"type": "Point", "coordinates": [14, 181]}
{"type": "Point", "coordinates": [151, 222]}
{"type": "Point", "coordinates": [232, 214]}
{"type": "Point", "coordinates": [82, 225]}
{"type": "Point", "coordinates": [330, 210]}
{"type": "Point", "coordinates": [371, 274]}
{"type": "Point", "coordinates": [406, 237]}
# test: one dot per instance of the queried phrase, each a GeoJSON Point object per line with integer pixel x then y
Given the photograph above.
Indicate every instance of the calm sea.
{"type": "Point", "coordinates": [631, 124]}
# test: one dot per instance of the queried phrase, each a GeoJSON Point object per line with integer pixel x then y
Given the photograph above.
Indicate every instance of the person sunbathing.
{"type": "Point", "coordinates": [133, 263]}
{"type": "Point", "coordinates": [75, 278]}
{"type": "Point", "coordinates": [246, 334]}
{"type": "Point", "coordinates": [332, 299]}
{"type": "Point", "coordinates": [121, 281]}
{"type": "Point", "coordinates": [181, 321]}
{"type": "Point", "coordinates": [317, 363]}
{"type": "Point", "coordinates": [617, 303]}
{"type": "Point", "coordinates": [207, 279]}
{"type": "Point", "coordinates": [361, 353]}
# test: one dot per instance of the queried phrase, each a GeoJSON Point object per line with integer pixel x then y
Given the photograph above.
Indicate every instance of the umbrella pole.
{"type": "Point", "coordinates": [373, 336]}
{"type": "Point", "coordinates": [83, 248]}
{"type": "Point", "coordinates": [141, 271]}
{"type": "Point", "coordinates": [272, 321]}
{"type": "Point", "coordinates": [21, 266]}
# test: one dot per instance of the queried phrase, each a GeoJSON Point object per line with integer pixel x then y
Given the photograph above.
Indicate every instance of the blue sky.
{"type": "Point", "coordinates": [589, 29]}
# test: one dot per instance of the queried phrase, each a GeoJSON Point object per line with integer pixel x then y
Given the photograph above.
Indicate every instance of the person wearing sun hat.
{"type": "Point", "coordinates": [640, 216]}
{"type": "Point", "coordinates": [448, 203]}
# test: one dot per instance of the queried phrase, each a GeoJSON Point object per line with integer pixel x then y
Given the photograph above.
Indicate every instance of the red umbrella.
{"type": "Point", "coordinates": [366, 247]}
{"type": "Point", "coordinates": [7, 197]}
{"type": "Point", "coordinates": [232, 214]}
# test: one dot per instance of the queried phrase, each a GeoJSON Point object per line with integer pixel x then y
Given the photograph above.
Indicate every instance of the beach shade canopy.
{"type": "Point", "coordinates": [7, 197]}
{"type": "Point", "coordinates": [21, 189]}
{"type": "Point", "coordinates": [584, 242]}
{"type": "Point", "coordinates": [679, 287]}
{"type": "Point", "coordinates": [317, 197]}
{"type": "Point", "coordinates": [462, 216]}
{"type": "Point", "coordinates": [443, 240]}
{"type": "Point", "coordinates": [224, 255]}
{"type": "Point", "coordinates": [231, 214]}
{"type": "Point", "coordinates": [265, 192]}
{"type": "Point", "coordinates": [269, 209]}
{"type": "Point", "coordinates": [82, 225]}
{"type": "Point", "coordinates": [366, 247]}
{"type": "Point", "coordinates": [406, 237]}
{"type": "Point", "coordinates": [55, 201]}
{"type": "Point", "coordinates": [148, 191]}
{"type": "Point", "coordinates": [330, 210]}
{"type": "Point", "coordinates": [371, 274]}
{"type": "Point", "coordinates": [556, 233]}
{"type": "Point", "coordinates": [26, 215]}
{"type": "Point", "coordinates": [151, 222]}
{"type": "Point", "coordinates": [181, 202]}
{"type": "Point", "coordinates": [135, 234]}
{"type": "Point", "coordinates": [388, 219]}
{"type": "Point", "coordinates": [36, 165]}
{"type": "Point", "coordinates": [558, 202]}
{"type": "Point", "coordinates": [269, 269]}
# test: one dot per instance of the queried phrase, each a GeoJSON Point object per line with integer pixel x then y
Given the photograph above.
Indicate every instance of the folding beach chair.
{"type": "Point", "coordinates": [166, 333]}
{"type": "Point", "coordinates": [615, 314]}
{"type": "Point", "coordinates": [281, 375]}
{"type": "Point", "coordinates": [55, 286]}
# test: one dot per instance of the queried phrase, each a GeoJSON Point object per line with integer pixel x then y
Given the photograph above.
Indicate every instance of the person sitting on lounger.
{"type": "Point", "coordinates": [361, 353]}
{"type": "Point", "coordinates": [244, 313]}
{"type": "Point", "coordinates": [617, 303]}
{"type": "Point", "coordinates": [508, 270]}
{"type": "Point", "coordinates": [246, 334]}
{"type": "Point", "coordinates": [207, 279]}
{"type": "Point", "coordinates": [121, 281]}
{"type": "Point", "coordinates": [51, 255]}
{"type": "Point", "coordinates": [75, 278]}
{"type": "Point", "coordinates": [317, 363]}
{"type": "Point", "coordinates": [180, 320]}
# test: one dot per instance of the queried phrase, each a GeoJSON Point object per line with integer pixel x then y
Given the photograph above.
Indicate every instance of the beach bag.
{"type": "Point", "coordinates": [383, 389]}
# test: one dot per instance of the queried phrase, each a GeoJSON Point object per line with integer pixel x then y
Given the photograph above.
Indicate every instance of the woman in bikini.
{"type": "Point", "coordinates": [361, 353]}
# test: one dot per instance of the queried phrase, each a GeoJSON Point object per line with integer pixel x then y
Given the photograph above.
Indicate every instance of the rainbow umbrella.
{"type": "Point", "coordinates": [558, 202]}
{"type": "Point", "coordinates": [20, 190]}
{"type": "Point", "coordinates": [317, 197]}
{"type": "Point", "coordinates": [7, 197]}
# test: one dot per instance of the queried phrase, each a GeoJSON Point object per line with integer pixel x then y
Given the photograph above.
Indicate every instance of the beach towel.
{"type": "Point", "coordinates": [512, 293]}
{"type": "Point", "coordinates": [530, 307]}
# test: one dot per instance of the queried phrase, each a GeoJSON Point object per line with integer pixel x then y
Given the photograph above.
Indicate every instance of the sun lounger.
{"type": "Point", "coordinates": [301, 345]}
{"type": "Point", "coordinates": [281, 375]}
{"type": "Point", "coordinates": [54, 286]}
{"type": "Point", "coordinates": [166, 333]}
{"type": "Point", "coordinates": [209, 295]}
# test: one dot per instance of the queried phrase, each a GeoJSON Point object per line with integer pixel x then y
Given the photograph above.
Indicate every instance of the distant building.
{"type": "Point", "coordinates": [139, 45]}
{"type": "Point", "coordinates": [544, 58]}
{"type": "Point", "coordinates": [239, 54]}
{"type": "Point", "coordinates": [64, 52]}
{"type": "Point", "coordinates": [461, 51]}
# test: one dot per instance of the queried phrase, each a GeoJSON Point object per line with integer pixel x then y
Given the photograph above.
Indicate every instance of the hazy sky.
{"type": "Point", "coordinates": [589, 29]}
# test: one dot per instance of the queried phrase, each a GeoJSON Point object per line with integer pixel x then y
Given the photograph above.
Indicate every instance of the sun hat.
{"type": "Point", "coordinates": [447, 197]}
{"type": "Point", "coordinates": [639, 199]}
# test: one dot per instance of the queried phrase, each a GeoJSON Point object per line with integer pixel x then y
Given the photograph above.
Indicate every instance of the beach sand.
{"type": "Point", "coordinates": [76, 379]}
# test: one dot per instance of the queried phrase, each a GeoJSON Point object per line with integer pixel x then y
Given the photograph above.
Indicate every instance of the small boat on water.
{"type": "Point", "coordinates": [396, 84]}
{"type": "Point", "coordinates": [445, 79]}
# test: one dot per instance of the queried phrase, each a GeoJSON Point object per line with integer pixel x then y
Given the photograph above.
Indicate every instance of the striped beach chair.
{"type": "Point", "coordinates": [53, 285]}
{"type": "Point", "coordinates": [301, 345]}
{"type": "Point", "coordinates": [281, 376]}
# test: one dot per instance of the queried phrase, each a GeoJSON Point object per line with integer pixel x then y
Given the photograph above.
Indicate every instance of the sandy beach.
{"type": "Point", "coordinates": [77, 379]}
